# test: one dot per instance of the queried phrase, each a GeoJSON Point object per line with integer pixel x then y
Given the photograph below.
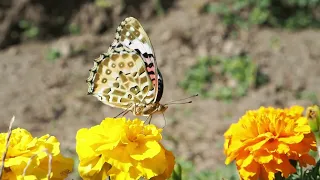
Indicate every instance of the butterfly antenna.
{"type": "Point", "coordinates": [188, 102]}
{"type": "Point", "coordinates": [165, 121]}
{"type": "Point", "coordinates": [176, 101]}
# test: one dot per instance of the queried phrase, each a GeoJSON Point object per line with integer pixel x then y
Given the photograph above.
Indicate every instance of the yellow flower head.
{"type": "Point", "coordinates": [28, 157]}
{"type": "Point", "coordinates": [264, 140]}
{"type": "Point", "coordinates": [123, 149]}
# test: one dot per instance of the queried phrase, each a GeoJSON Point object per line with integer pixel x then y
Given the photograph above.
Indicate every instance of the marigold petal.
{"type": "Point", "coordinates": [8, 175]}
{"type": "Point", "coordinates": [119, 158]}
{"type": "Point", "coordinates": [283, 148]}
{"type": "Point", "coordinates": [116, 174]}
{"type": "Point", "coordinates": [93, 167]}
{"type": "Point", "coordinates": [62, 166]}
{"type": "Point", "coordinates": [257, 145]}
{"type": "Point", "coordinates": [83, 146]}
{"type": "Point", "coordinates": [88, 174]}
{"type": "Point", "coordinates": [263, 157]}
{"type": "Point", "coordinates": [306, 159]}
{"type": "Point", "coordinates": [147, 150]}
{"type": "Point", "coordinates": [16, 161]}
{"type": "Point", "coordinates": [170, 161]}
{"type": "Point", "coordinates": [247, 161]}
{"type": "Point", "coordinates": [50, 143]}
{"type": "Point", "coordinates": [30, 177]}
{"type": "Point", "coordinates": [250, 172]}
{"type": "Point", "coordinates": [151, 169]}
{"type": "Point", "coordinates": [292, 139]}
{"type": "Point", "coordinates": [285, 167]}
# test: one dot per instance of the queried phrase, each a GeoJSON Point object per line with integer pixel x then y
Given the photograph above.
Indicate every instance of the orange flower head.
{"type": "Point", "coordinates": [264, 140]}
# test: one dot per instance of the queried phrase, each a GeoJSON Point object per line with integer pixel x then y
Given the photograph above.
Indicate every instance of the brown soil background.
{"type": "Point", "coordinates": [50, 96]}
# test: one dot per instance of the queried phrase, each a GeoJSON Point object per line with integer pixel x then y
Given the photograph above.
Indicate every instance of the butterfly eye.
{"type": "Point", "coordinates": [139, 109]}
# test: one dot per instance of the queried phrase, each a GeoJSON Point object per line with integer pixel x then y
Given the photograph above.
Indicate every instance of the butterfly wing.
{"type": "Point", "coordinates": [131, 34]}
{"type": "Point", "coordinates": [119, 78]}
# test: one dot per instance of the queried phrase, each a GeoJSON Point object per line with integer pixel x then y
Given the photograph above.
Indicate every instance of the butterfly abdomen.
{"type": "Point", "coordinates": [160, 86]}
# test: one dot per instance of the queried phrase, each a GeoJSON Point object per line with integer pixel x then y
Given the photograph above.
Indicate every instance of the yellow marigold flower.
{"type": "Point", "coordinates": [123, 149]}
{"type": "Point", "coordinates": [264, 140]}
{"type": "Point", "coordinates": [26, 152]}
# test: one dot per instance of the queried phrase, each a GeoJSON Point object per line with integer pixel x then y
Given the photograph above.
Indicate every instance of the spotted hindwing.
{"type": "Point", "coordinates": [119, 78]}
{"type": "Point", "coordinates": [131, 34]}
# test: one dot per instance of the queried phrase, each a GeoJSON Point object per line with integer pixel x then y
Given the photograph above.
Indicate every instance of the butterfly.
{"type": "Point", "coordinates": [127, 75]}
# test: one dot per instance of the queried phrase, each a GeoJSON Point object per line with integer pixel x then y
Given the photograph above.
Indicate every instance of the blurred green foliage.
{"type": "Point", "coordinates": [307, 95]}
{"type": "Point", "coordinates": [74, 29]}
{"type": "Point", "coordinates": [103, 3]}
{"type": "Point", "coordinates": [158, 7]}
{"type": "Point", "coordinates": [223, 78]}
{"type": "Point", "coordinates": [53, 54]}
{"type": "Point", "coordinates": [29, 30]}
{"type": "Point", "coordinates": [312, 173]}
{"type": "Point", "coordinates": [290, 14]}
{"type": "Point", "coordinates": [275, 43]}
{"type": "Point", "coordinates": [185, 170]}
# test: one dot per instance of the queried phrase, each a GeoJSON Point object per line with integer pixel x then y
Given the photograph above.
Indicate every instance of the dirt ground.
{"type": "Point", "coordinates": [51, 96]}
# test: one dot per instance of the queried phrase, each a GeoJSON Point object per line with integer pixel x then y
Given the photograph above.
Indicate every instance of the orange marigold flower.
{"type": "Point", "coordinates": [123, 149]}
{"type": "Point", "coordinates": [264, 140]}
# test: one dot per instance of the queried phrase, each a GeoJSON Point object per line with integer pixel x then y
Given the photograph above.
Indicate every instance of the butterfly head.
{"type": "Point", "coordinates": [162, 107]}
{"type": "Point", "coordinates": [147, 109]}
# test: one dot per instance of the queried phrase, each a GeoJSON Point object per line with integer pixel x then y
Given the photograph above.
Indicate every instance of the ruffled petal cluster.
{"type": "Point", "coordinates": [123, 149]}
{"type": "Point", "coordinates": [265, 140]}
{"type": "Point", "coordinates": [28, 157]}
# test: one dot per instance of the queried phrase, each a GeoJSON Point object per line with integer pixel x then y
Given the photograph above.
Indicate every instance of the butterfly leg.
{"type": "Point", "coordinates": [148, 120]}
{"type": "Point", "coordinates": [165, 121]}
{"type": "Point", "coordinates": [123, 112]}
